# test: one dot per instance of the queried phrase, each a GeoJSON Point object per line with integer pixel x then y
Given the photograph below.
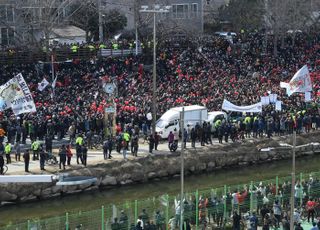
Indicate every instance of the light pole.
{"type": "Point", "coordinates": [293, 181]}
{"type": "Point", "coordinates": [156, 9]}
{"type": "Point", "coordinates": [100, 22]}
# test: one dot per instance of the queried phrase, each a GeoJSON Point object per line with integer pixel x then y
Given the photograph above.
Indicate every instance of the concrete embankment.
{"type": "Point", "coordinates": [141, 170]}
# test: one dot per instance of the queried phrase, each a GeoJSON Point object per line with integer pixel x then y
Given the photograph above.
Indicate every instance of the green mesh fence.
{"type": "Point", "coordinates": [212, 206]}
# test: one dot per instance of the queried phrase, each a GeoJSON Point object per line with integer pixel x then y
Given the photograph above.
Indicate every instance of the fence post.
{"type": "Point", "coordinates": [67, 221]}
{"type": "Point", "coordinates": [251, 197]}
{"type": "Point", "coordinates": [225, 203]}
{"type": "Point", "coordinates": [167, 211]}
{"type": "Point", "coordinates": [277, 186]}
{"type": "Point", "coordinates": [197, 209]}
{"type": "Point", "coordinates": [135, 211]}
{"type": "Point", "coordinates": [28, 226]}
{"type": "Point", "coordinates": [301, 193]}
{"type": "Point", "coordinates": [102, 218]}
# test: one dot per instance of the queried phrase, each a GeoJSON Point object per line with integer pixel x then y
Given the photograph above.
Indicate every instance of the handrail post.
{"type": "Point", "coordinates": [102, 218]}
{"type": "Point", "coordinates": [277, 186]}
{"type": "Point", "coordinates": [167, 211]}
{"type": "Point", "coordinates": [251, 197]}
{"type": "Point", "coordinates": [28, 226]}
{"type": "Point", "coordinates": [301, 193]}
{"type": "Point", "coordinates": [197, 209]}
{"type": "Point", "coordinates": [135, 211]}
{"type": "Point", "coordinates": [225, 203]}
{"type": "Point", "coordinates": [67, 221]}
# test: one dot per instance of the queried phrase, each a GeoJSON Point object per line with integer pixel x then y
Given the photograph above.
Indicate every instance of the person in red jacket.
{"type": "Point", "coordinates": [310, 208]}
{"type": "Point", "coordinates": [69, 154]}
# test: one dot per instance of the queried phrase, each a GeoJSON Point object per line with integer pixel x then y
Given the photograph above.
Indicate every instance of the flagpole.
{"type": "Point", "coordinates": [52, 75]}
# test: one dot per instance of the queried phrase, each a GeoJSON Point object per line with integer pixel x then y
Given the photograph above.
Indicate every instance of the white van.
{"type": "Point", "coordinates": [170, 120]}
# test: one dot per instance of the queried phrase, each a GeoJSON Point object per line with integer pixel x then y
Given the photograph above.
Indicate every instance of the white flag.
{"type": "Point", "coordinates": [307, 96]}
{"type": "Point", "coordinates": [117, 36]}
{"type": "Point", "coordinates": [301, 82]}
{"type": "Point", "coordinates": [15, 94]}
{"type": "Point", "coordinates": [54, 82]}
{"type": "Point", "coordinates": [43, 84]}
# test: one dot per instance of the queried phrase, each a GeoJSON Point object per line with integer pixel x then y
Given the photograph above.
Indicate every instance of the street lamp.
{"type": "Point", "coordinates": [155, 10]}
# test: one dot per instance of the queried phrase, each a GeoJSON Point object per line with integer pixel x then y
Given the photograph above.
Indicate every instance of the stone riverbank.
{"type": "Point", "coordinates": [144, 169]}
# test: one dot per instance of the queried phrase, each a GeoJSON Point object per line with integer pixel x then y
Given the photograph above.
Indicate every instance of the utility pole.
{"type": "Point", "coordinates": [182, 168]}
{"type": "Point", "coordinates": [293, 177]}
{"type": "Point", "coordinates": [137, 45]}
{"type": "Point", "coordinates": [157, 9]}
{"type": "Point", "coordinates": [100, 22]}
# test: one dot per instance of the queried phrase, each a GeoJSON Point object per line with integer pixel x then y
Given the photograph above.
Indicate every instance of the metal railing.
{"type": "Point", "coordinates": [62, 54]}
{"type": "Point", "coordinates": [163, 210]}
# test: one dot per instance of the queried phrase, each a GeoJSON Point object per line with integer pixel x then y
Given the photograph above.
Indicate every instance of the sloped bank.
{"type": "Point", "coordinates": [117, 173]}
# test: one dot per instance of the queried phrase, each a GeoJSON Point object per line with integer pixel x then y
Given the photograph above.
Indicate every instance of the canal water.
{"type": "Point", "coordinates": [94, 200]}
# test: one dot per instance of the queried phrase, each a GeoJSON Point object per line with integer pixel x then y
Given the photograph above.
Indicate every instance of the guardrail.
{"type": "Point", "coordinates": [163, 210]}
{"type": "Point", "coordinates": [122, 52]}
{"type": "Point", "coordinates": [61, 55]}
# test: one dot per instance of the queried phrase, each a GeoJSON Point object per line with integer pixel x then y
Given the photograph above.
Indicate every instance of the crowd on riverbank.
{"type": "Point", "coordinates": [206, 71]}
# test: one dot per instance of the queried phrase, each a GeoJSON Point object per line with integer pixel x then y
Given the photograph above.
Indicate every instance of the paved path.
{"type": "Point", "coordinates": [94, 157]}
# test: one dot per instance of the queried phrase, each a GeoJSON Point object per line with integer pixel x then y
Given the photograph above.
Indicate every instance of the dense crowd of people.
{"type": "Point", "coordinates": [265, 205]}
{"type": "Point", "coordinates": [201, 71]}
{"type": "Point", "coordinates": [241, 72]}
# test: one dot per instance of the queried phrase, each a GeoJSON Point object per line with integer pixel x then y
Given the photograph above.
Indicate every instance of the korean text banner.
{"type": "Point", "coordinates": [15, 94]}
{"type": "Point", "coordinates": [255, 108]}
{"type": "Point", "coordinates": [301, 82]}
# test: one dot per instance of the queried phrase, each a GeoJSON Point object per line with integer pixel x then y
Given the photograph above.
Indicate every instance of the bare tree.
{"type": "Point", "coordinates": [41, 16]}
{"type": "Point", "coordinates": [243, 14]}
{"type": "Point", "coordinates": [283, 16]}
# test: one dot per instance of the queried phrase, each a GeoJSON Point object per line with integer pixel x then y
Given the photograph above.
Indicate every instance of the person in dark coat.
{"type": "Point", "coordinates": [84, 155]}
{"type": "Point", "coordinates": [1, 163]}
{"type": "Point", "coordinates": [193, 137]}
{"type": "Point", "coordinates": [26, 157]}
{"type": "Point", "coordinates": [42, 159]}
{"type": "Point", "coordinates": [79, 153]}
{"type": "Point", "coordinates": [151, 143]}
{"type": "Point", "coordinates": [220, 133]}
{"type": "Point", "coordinates": [48, 144]}
{"type": "Point", "coordinates": [156, 141]}
{"type": "Point", "coordinates": [63, 157]}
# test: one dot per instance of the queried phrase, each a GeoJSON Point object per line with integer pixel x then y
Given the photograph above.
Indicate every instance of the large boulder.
{"type": "Point", "coordinates": [109, 180]}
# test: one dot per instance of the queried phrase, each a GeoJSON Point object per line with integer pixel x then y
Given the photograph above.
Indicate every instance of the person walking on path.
{"type": "Point", "coordinates": [151, 143]}
{"type": "Point", "coordinates": [107, 148]}
{"type": "Point", "coordinates": [42, 159]}
{"type": "Point", "coordinates": [124, 149]}
{"type": "Point", "coordinates": [35, 149]}
{"type": "Point", "coordinates": [1, 163]}
{"type": "Point", "coordinates": [156, 141]}
{"type": "Point", "coordinates": [135, 144]}
{"type": "Point", "coordinates": [69, 154]}
{"type": "Point", "coordinates": [17, 150]}
{"type": "Point", "coordinates": [7, 150]}
{"type": "Point", "coordinates": [48, 144]}
{"type": "Point", "coordinates": [79, 143]}
{"type": "Point", "coordinates": [63, 157]}
{"type": "Point", "coordinates": [26, 157]}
